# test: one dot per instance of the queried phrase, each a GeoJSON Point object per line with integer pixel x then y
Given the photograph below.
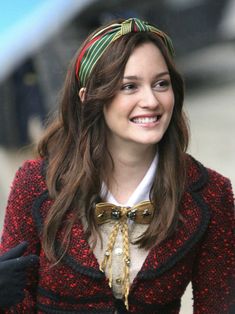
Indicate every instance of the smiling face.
{"type": "Point", "coordinates": [141, 111]}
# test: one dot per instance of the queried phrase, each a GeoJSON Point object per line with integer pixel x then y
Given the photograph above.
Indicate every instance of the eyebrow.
{"type": "Point", "coordinates": [137, 78]}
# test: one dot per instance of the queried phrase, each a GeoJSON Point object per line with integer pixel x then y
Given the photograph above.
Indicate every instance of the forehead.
{"type": "Point", "coordinates": [145, 58]}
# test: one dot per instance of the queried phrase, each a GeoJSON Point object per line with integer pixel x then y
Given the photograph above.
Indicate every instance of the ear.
{"type": "Point", "coordinates": [82, 94]}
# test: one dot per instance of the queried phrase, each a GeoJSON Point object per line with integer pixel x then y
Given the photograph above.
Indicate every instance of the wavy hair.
{"type": "Point", "coordinates": [74, 145]}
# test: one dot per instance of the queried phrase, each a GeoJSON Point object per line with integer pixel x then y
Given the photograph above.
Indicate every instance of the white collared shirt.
{"type": "Point", "coordinates": [137, 255]}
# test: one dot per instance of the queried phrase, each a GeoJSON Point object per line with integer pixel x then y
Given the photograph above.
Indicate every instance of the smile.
{"type": "Point", "coordinates": [145, 120]}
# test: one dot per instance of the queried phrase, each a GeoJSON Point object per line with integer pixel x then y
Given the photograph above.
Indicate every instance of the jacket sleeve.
{"type": "Point", "coordinates": [213, 278]}
{"type": "Point", "coordinates": [19, 226]}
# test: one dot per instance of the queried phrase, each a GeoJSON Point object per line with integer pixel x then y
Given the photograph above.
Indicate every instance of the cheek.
{"type": "Point", "coordinates": [116, 110]}
{"type": "Point", "coordinates": [170, 113]}
{"type": "Point", "coordinates": [171, 97]}
{"type": "Point", "coordinates": [169, 107]}
{"type": "Point", "coordinates": [169, 102]}
{"type": "Point", "coordinates": [110, 115]}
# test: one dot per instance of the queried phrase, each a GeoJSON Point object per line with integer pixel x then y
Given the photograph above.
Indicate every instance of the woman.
{"type": "Point", "coordinates": [120, 216]}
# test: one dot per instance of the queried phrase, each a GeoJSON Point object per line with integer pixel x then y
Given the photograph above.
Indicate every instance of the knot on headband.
{"type": "Point", "coordinates": [99, 42]}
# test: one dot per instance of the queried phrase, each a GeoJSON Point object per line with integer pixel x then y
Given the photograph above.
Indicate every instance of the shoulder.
{"type": "Point", "coordinates": [31, 165]}
{"type": "Point", "coordinates": [213, 186]}
{"type": "Point", "coordinates": [30, 176]}
{"type": "Point", "coordinates": [199, 174]}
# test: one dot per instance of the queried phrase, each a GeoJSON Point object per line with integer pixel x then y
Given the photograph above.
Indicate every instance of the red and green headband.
{"type": "Point", "coordinates": [99, 42]}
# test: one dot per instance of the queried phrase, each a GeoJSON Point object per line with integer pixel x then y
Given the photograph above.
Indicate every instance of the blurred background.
{"type": "Point", "coordinates": [39, 37]}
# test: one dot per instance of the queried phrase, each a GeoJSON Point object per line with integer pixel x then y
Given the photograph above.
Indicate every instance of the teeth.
{"type": "Point", "coordinates": [145, 120]}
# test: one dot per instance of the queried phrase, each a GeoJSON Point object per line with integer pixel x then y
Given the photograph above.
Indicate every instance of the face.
{"type": "Point", "coordinates": [141, 111]}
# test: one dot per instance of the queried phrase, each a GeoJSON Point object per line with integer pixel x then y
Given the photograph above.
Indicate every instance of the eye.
{"type": "Point", "coordinates": [162, 85]}
{"type": "Point", "coordinates": [129, 87]}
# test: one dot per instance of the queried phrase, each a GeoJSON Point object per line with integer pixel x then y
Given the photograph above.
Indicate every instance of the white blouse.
{"type": "Point", "coordinates": [137, 255]}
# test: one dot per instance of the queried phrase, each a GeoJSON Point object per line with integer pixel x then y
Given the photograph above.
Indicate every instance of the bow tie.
{"type": "Point", "coordinates": [142, 213]}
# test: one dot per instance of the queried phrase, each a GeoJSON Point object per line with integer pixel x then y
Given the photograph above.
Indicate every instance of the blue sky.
{"type": "Point", "coordinates": [14, 11]}
{"type": "Point", "coordinates": [25, 25]}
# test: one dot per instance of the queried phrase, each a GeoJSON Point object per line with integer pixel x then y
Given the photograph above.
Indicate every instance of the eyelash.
{"type": "Point", "coordinates": [162, 84]}
{"type": "Point", "coordinates": [128, 86]}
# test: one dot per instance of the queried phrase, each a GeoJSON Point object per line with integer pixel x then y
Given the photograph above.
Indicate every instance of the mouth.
{"type": "Point", "coordinates": [146, 120]}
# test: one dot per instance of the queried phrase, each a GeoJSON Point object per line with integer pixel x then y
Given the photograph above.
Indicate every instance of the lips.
{"type": "Point", "coordinates": [146, 120]}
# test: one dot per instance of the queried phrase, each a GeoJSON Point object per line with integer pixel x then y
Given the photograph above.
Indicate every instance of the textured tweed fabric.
{"type": "Point", "coordinates": [201, 250]}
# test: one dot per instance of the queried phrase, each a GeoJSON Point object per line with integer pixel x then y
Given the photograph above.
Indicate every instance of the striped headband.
{"type": "Point", "coordinates": [99, 42]}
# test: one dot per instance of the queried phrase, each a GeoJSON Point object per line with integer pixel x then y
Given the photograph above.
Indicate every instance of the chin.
{"type": "Point", "coordinates": [151, 141]}
{"type": "Point", "coordinates": [148, 143]}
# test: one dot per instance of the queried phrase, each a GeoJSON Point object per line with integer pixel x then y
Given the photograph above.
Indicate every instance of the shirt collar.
{"type": "Point", "coordinates": [141, 193]}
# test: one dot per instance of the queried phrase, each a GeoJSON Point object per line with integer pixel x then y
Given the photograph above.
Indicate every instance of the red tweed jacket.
{"type": "Point", "coordinates": [202, 250]}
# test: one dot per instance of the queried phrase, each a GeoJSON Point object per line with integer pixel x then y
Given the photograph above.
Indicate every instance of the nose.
{"type": "Point", "coordinates": [149, 99]}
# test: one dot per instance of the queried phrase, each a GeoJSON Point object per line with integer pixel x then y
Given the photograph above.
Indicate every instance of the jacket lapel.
{"type": "Point", "coordinates": [79, 256]}
{"type": "Point", "coordinates": [196, 217]}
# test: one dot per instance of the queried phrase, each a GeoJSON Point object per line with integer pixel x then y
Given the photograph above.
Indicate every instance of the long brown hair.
{"type": "Point", "coordinates": [75, 146]}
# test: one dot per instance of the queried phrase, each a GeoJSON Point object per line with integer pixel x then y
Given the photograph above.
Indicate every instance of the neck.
{"type": "Point", "coordinates": [130, 167]}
